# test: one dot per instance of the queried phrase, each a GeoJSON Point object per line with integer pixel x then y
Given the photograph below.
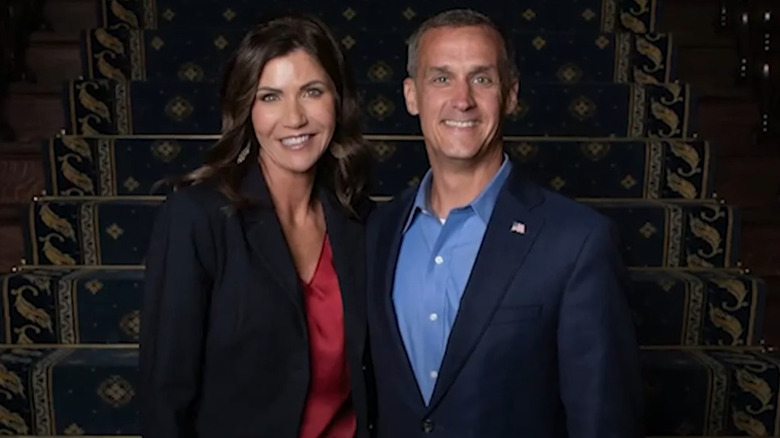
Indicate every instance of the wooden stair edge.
{"type": "Point", "coordinates": [762, 215]}
{"type": "Point", "coordinates": [53, 37]}
{"type": "Point", "coordinates": [31, 149]}
{"type": "Point", "coordinates": [29, 88]}
{"type": "Point", "coordinates": [694, 40]}
{"type": "Point", "coordinates": [12, 213]}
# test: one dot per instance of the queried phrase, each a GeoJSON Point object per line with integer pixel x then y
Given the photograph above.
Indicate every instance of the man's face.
{"type": "Point", "coordinates": [457, 92]}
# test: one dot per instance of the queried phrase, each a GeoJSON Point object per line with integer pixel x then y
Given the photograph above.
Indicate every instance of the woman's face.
{"type": "Point", "coordinates": [294, 113]}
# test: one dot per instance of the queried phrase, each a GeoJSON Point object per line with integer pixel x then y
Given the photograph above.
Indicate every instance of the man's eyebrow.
{"type": "Point", "coordinates": [482, 69]}
{"type": "Point", "coordinates": [438, 69]}
{"type": "Point", "coordinates": [474, 70]}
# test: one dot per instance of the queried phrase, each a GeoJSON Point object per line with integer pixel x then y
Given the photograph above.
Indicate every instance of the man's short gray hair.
{"type": "Point", "coordinates": [460, 18]}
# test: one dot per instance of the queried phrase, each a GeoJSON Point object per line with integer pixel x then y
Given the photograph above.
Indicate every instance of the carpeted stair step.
{"type": "Point", "coordinates": [586, 15]}
{"type": "Point", "coordinates": [67, 391]}
{"type": "Point", "coordinates": [93, 391]}
{"type": "Point", "coordinates": [714, 393]}
{"type": "Point", "coordinates": [583, 168]}
{"type": "Point", "coordinates": [101, 306]}
{"type": "Point", "coordinates": [114, 231]}
{"type": "Point", "coordinates": [103, 106]}
{"type": "Point", "coordinates": [72, 306]}
{"type": "Point", "coordinates": [379, 55]}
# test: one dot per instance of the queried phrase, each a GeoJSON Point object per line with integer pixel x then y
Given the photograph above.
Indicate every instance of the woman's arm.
{"type": "Point", "coordinates": [173, 317]}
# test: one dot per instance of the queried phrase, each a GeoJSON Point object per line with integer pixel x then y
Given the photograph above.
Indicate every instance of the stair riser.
{"type": "Point", "coordinates": [21, 178]}
{"type": "Point", "coordinates": [772, 314]}
{"type": "Point", "coordinates": [761, 248]}
{"type": "Point", "coordinates": [738, 181]}
{"type": "Point", "coordinates": [707, 66]}
{"type": "Point", "coordinates": [12, 249]}
{"type": "Point", "coordinates": [730, 124]}
{"type": "Point", "coordinates": [676, 16]}
{"type": "Point", "coordinates": [70, 17]}
{"type": "Point", "coordinates": [54, 63]}
{"type": "Point", "coordinates": [34, 117]}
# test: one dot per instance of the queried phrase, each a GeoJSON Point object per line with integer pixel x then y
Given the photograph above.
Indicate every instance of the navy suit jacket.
{"type": "Point", "coordinates": [224, 343]}
{"type": "Point", "coordinates": [543, 345]}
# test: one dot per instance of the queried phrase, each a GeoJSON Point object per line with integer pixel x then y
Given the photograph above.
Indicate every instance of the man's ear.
{"type": "Point", "coordinates": [410, 95]}
{"type": "Point", "coordinates": [510, 101]}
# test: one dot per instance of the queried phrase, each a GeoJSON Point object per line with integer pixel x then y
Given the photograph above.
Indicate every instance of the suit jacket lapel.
{"type": "Point", "coordinates": [499, 259]}
{"type": "Point", "coordinates": [386, 253]}
{"type": "Point", "coordinates": [347, 244]}
{"type": "Point", "coordinates": [266, 239]}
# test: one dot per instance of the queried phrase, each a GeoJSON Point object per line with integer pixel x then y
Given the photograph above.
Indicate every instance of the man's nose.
{"type": "Point", "coordinates": [463, 98]}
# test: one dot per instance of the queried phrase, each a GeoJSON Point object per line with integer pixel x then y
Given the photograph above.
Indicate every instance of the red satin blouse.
{"type": "Point", "coordinates": [328, 412]}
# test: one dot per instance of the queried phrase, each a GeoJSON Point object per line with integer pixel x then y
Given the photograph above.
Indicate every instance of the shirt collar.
{"type": "Point", "coordinates": [482, 205]}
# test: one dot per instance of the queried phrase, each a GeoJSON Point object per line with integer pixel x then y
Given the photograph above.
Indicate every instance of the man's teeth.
{"type": "Point", "coordinates": [294, 141]}
{"type": "Point", "coordinates": [457, 124]}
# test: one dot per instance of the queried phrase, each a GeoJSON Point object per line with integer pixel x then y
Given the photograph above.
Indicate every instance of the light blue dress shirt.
{"type": "Point", "coordinates": [434, 264]}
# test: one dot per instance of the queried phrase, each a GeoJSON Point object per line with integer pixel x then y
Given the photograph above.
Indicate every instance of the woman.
{"type": "Point", "coordinates": [253, 319]}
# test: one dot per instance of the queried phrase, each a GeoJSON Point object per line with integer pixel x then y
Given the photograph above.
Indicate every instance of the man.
{"type": "Point", "coordinates": [496, 308]}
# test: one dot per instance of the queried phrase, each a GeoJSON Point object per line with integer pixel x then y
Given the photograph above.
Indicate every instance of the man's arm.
{"type": "Point", "coordinates": [600, 377]}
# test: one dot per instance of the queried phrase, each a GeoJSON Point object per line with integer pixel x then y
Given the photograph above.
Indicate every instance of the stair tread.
{"type": "Point", "coordinates": [682, 389]}
{"type": "Point", "coordinates": [103, 301]}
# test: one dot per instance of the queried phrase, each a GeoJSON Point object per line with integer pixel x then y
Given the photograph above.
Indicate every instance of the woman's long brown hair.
{"type": "Point", "coordinates": [343, 168]}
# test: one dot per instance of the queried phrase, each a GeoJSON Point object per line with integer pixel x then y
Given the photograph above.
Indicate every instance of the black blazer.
{"type": "Point", "coordinates": [224, 344]}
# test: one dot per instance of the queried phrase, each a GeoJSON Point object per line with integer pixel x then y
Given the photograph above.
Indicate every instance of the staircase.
{"type": "Point", "coordinates": [627, 105]}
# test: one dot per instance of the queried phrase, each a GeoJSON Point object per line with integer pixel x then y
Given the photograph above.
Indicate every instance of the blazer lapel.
{"type": "Point", "coordinates": [386, 253]}
{"type": "Point", "coordinates": [508, 238]}
{"type": "Point", "coordinates": [266, 239]}
{"type": "Point", "coordinates": [347, 244]}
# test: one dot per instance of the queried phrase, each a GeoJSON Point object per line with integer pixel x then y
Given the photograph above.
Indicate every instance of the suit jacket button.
{"type": "Point", "coordinates": [427, 425]}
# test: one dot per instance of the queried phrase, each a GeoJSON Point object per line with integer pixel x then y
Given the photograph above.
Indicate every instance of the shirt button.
{"type": "Point", "coordinates": [434, 374]}
{"type": "Point", "coordinates": [433, 317]}
{"type": "Point", "coordinates": [439, 260]}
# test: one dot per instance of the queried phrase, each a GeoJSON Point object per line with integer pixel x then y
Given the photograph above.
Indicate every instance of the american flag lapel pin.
{"type": "Point", "coordinates": [518, 227]}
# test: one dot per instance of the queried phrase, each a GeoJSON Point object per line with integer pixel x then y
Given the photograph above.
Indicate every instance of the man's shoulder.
{"type": "Point", "coordinates": [569, 215]}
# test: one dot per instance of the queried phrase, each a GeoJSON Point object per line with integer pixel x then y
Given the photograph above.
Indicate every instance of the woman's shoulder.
{"type": "Point", "coordinates": [201, 200]}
